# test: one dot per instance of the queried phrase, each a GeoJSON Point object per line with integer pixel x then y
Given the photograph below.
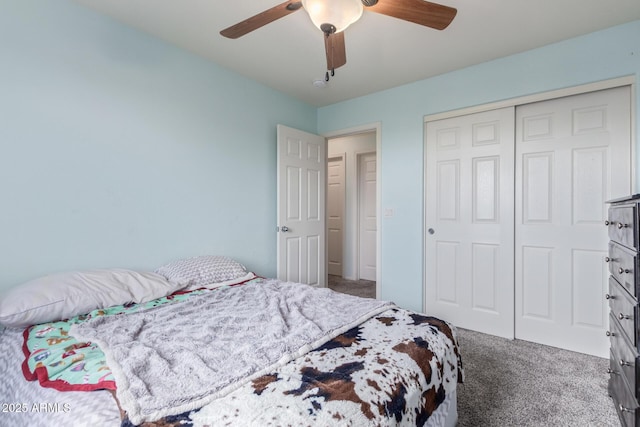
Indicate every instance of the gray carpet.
{"type": "Point", "coordinates": [359, 288]}
{"type": "Point", "coordinates": [514, 383]}
{"type": "Point", "coordinates": [519, 383]}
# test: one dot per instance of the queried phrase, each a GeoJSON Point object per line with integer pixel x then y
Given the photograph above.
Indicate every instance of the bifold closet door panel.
{"type": "Point", "coordinates": [469, 221]}
{"type": "Point", "coordinates": [572, 155]}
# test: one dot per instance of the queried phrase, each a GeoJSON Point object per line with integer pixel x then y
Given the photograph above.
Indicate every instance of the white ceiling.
{"type": "Point", "coordinates": [382, 52]}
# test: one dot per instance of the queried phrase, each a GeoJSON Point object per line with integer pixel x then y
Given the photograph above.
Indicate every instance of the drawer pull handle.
{"type": "Point", "coordinates": [607, 259]}
{"type": "Point", "coordinates": [607, 223]}
{"type": "Point", "coordinates": [623, 270]}
{"type": "Point", "coordinates": [610, 334]}
{"type": "Point", "coordinates": [623, 316]}
{"type": "Point", "coordinates": [623, 409]}
{"type": "Point", "coordinates": [621, 226]}
{"type": "Point", "coordinates": [607, 296]}
{"type": "Point", "coordinates": [611, 371]}
{"type": "Point", "coordinates": [623, 363]}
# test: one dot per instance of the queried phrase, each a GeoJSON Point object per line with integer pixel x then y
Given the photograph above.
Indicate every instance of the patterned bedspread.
{"type": "Point", "coordinates": [397, 368]}
{"type": "Point", "coordinates": [394, 369]}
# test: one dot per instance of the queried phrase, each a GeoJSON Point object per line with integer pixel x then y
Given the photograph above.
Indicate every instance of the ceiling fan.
{"type": "Point", "coordinates": [332, 17]}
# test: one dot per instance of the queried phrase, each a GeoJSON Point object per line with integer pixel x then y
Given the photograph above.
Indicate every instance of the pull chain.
{"type": "Point", "coordinates": [326, 76]}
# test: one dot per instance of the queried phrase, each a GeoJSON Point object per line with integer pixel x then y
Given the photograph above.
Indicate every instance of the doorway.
{"type": "Point", "coordinates": [352, 220]}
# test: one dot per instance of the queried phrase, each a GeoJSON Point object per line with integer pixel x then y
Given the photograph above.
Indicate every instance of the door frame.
{"type": "Point", "coordinates": [375, 127]}
{"type": "Point", "coordinates": [514, 102]}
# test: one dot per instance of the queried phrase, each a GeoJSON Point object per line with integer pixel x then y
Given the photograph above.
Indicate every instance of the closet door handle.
{"type": "Point", "coordinates": [623, 316]}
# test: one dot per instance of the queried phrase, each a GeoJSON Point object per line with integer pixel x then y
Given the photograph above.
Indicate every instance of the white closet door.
{"type": "Point", "coordinates": [367, 216]}
{"type": "Point", "coordinates": [469, 221]}
{"type": "Point", "coordinates": [572, 155]}
{"type": "Point", "coordinates": [335, 214]}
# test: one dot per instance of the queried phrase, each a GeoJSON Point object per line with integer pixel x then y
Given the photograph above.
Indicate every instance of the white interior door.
{"type": "Point", "coordinates": [367, 227]}
{"type": "Point", "coordinates": [301, 179]}
{"type": "Point", "coordinates": [469, 218]}
{"type": "Point", "coordinates": [572, 155]}
{"type": "Point", "coordinates": [335, 213]}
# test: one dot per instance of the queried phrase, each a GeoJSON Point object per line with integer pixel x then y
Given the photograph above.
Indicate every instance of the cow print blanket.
{"type": "Point", "coordinates": [395, 369]}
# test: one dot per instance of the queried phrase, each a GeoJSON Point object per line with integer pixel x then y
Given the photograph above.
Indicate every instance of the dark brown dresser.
{"type": "Point", "coordinates": [624, 290]}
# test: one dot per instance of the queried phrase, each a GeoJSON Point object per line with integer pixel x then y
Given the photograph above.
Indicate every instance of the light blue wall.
{"type": "Point", "coordinates": [598, 56]}
{"type": "Point", "coordinates": [118, 150]}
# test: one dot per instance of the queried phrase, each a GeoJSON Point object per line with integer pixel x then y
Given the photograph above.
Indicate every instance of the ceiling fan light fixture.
{"type": "Point", "coordinates": [338, 13]}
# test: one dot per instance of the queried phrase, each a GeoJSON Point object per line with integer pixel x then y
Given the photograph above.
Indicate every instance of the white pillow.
{"type": "Point", "coordinates": [202, 270]}
{"type": "Point", "coordinates": [60, 296]}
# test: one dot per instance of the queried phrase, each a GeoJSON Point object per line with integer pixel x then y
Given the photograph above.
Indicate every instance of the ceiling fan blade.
{"type": "Point", "coordinates": [336, 51]}
{"type": "Point", "coordinates": [261, 19]}
{"type": "Point", "coordinates": [421, 12]}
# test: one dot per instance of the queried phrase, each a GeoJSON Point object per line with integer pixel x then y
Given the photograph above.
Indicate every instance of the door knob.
{"type": "Point", "coordinates": [623, 409]}
{"type": "Point", "coordinates": [284, 228]}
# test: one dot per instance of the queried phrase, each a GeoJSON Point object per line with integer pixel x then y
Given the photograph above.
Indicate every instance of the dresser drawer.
{"type": "Point", "coordinates": [621, 223]}
{"type": "Point", "coordinates": [625, 356]}
{"type": "Point", "coordinates": [624, 309]}
{"type": "Point", "coordinates": [623, 266]}
{"type": "Point", "coordinates": [626, 404]}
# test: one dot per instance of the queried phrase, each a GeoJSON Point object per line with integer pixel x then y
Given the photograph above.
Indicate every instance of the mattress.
{"type": "Point", "coordinates": [396, 368]}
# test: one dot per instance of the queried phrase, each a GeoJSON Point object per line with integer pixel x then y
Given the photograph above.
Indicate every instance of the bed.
{"type": "Point", "coordinates": [203, 342]}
